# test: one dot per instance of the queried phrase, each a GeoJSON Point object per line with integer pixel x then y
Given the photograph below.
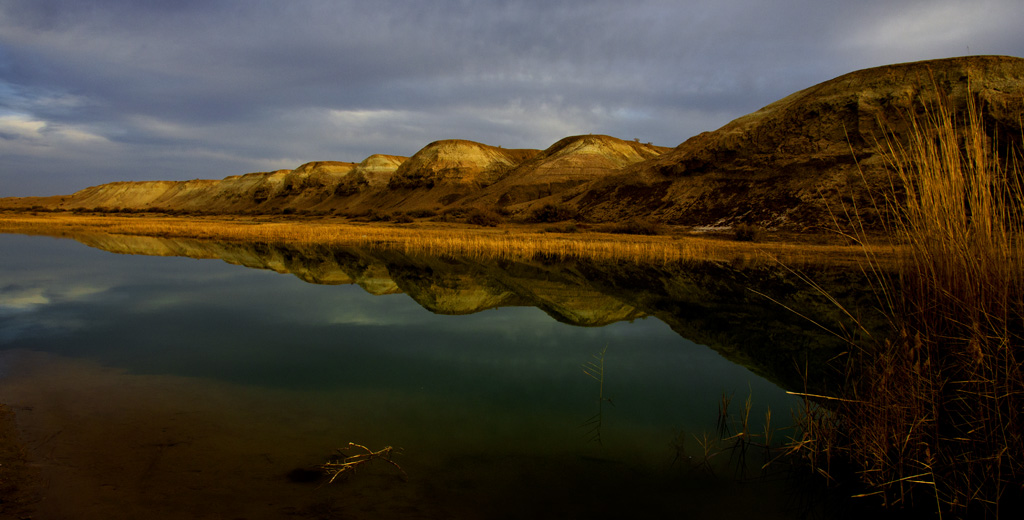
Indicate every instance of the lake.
{"type": "Point", "coordinates": [190, 379]}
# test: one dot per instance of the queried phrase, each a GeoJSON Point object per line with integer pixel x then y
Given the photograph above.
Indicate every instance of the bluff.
{"type": "Point", "coordinates": [787, 163]}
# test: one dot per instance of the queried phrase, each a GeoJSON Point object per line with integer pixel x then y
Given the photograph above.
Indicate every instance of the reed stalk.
{"type": "Point", "coordinates": [932, 416]}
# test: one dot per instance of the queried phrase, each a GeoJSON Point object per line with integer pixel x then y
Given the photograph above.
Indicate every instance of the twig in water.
{"type": "Point", "coordinates": [349, 463]}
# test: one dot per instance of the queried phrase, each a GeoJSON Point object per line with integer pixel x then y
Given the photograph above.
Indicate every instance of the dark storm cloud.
{"type": "Point", "coordinates": [95, 91]}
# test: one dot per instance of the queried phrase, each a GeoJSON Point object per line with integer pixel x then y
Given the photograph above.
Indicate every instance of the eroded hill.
{"type": "Point", "coordinates": [789, 165]}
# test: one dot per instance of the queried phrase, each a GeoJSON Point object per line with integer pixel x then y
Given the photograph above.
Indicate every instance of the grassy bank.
{"type": "Point", "coordinates": [932, 416]}
{"type": "Point", "coordinates": [508, 241]}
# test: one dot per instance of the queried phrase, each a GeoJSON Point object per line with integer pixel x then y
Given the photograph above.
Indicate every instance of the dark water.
{"type": "Point", "coordinates": [173, 387]}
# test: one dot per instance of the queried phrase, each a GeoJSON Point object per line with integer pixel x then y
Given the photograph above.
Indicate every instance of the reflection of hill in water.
{"type": "Point", "coordinates": [709, 303]}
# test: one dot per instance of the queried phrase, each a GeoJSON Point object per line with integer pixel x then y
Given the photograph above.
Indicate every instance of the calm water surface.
{"type": "Point", "coordinates": [171, 387]}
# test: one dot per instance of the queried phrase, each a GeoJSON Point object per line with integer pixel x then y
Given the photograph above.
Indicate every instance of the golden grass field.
{"type": "Point", "coordinates": [506, 242]}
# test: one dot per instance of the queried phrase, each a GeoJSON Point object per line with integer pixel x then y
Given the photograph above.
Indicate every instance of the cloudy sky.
{"type": "Point", "coordinates": [94, 91]}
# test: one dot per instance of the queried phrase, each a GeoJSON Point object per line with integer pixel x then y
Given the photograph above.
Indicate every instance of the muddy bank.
{"type": "Point", "coordinates": [18, 482]}
{"type": "Point", "coordinates": [104, 444]}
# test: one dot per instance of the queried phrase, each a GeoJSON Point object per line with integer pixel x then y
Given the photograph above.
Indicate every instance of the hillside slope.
{"type": "Point", "coordinates": [783, 166]}
{"type": "Point", "coordinates": [786, 163]}
{"type": "Point", "coordinates": [444, 172]}
{"type": "Point", "coordinates": [569, 162]}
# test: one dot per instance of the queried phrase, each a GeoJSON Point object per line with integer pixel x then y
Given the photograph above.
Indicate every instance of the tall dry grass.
{"type": "Point", "coordinates": [485, 243]}
{"type": "Point", "coordinates": [933, 417]}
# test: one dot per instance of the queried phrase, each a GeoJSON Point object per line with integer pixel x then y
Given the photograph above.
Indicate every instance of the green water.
{"type": "Point", "coordinates": [173, 387]}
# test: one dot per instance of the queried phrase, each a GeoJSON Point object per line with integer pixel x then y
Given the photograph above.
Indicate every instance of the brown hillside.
{"type": "Point", "coordinates": [233, 193]}
{"type": "Point", "coordinates": [457, 162]}
{"type": "Point", "coordinates": [378, 169]}
{"type": "Point", "coordinates": [567, 163]}
{"type": "Point", "coordinates": [782, 166]}
{"type": "Point", "coordinates": [440, 174]}
{"type": "Point", "coordinates": [310, 185]}
{"type": "Point", "coordinates": [373, 173]}
{"type": "Point", "coordinates": [318, 174]}
{"type": "Point", "coordinates": [313, 182]}
{"type": "Point", "coordinates": [779, 166]}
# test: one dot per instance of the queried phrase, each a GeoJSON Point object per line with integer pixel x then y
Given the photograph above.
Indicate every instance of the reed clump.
{"type": "Point", "coordinates": [932, 416]}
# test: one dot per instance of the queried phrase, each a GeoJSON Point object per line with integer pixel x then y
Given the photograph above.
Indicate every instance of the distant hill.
{"type": "Point", "coordinates": [783, 166]}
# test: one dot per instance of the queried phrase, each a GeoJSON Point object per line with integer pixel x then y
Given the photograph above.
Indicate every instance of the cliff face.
{"type": "Point", "coordinates": [782, 166]}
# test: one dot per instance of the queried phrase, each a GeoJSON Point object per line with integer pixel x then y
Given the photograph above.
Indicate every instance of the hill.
{"type": "Point", "coordinates": [783, 166]}
{"type": "Point", "coordinates": [568, 163]}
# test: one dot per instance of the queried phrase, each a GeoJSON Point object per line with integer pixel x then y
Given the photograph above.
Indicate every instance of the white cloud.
{"type": "Point", "coordinates": [72, 135]}
{"type": "Point", "coordinates": [19, 126]}
{"type": "Point", "coordinates": [22, 127]}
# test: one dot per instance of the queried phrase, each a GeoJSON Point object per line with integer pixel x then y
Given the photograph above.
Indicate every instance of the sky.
{"type": "Point", "coordinates": [96, 91]}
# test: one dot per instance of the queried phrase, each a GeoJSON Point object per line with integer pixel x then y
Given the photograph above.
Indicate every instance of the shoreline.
{"type": "Point", "coordinates": [504, 241]}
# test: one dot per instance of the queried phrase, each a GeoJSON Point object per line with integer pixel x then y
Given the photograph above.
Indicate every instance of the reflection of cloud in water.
{"type": "Point", "coordinates": [20, 299]}
{"type": "Point", "coordinates": [26, 306]}
{"type": "Point", "coordinates": [82, 291]}
{"type": "Point", "coordinates": [17, 298]}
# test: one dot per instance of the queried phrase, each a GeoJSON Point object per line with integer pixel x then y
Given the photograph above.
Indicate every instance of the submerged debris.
{"type": "Point", "coordinates": [342, 463]}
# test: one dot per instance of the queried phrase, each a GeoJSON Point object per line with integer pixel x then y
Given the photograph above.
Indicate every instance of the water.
{"type": "Point", "coordinates": [171, 387]}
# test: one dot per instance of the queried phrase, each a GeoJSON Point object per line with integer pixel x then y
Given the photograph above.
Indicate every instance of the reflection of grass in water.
{"type": "Point", "coordinates": [735, 437]}
{"type": "Point", "coordinates": [500, 243]}
{"type": "Point", "coordinates": [932, 416]}
{"type": "Point", "coordinates": [595, 369]}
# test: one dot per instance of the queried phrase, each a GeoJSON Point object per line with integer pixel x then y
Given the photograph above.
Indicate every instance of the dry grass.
{"type": "Point", "coordinates": [932, 416]}
{"type": "Point", "coordinates": [508, 242]}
